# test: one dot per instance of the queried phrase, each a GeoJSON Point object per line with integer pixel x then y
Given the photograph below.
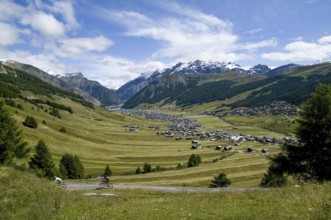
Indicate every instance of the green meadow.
{"type": "Point", "coordinates": [101, 138]}
{"type": "Point", "coordinates": [23, 196]}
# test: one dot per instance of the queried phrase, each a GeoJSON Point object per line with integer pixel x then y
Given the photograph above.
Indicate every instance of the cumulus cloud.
{"type": "Point", "coordinates": [325, 40]}
{"type": "Point", "coordinates": [9, 34]}
{"type": "Point", "coordinates": [43, 61]}
{"type": "Point", "coordinates": [113, 72]}
{"type": "Point", "coordinates": [74, 47]}
{"type": "Point", "coordinates": [44, 23]}
{"type": "Point", "coordinates": [9, 10]}
{"type": "Point", "coordinates": [303, 51]}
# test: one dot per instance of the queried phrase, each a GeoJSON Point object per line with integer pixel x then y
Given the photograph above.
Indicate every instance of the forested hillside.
{"type": "Point", "coordinates": [293, 87]}
{"type": "Point", "coordinates": [13, 82]}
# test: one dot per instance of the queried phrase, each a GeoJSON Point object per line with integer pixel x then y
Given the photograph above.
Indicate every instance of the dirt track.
{"type": "Point", "coordinates": [94, 186]}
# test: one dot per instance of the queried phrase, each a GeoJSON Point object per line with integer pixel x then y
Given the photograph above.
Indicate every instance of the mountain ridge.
{"type": "Point", "coordinates": [109, 97]}
{"type": "Point", "coordinates": [94, 88]}
{"type": "Point", "coordinates": [293, 86]}
{"type": "Point", "coordinates": [128, 90]}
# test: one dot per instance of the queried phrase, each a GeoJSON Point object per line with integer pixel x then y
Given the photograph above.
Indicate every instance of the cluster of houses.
{"type": "Point", "coordinates": [183, 128]}
{"type": "Point", "coordinates": [274, 108]}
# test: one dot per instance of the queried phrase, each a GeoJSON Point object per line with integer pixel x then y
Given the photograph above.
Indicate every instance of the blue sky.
{"type": "Point", "coordinates": [114, 41]}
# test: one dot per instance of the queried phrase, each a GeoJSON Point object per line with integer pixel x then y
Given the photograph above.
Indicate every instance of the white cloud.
{"type": "Point", "coordinates": [9, 10]}
{"type": "Point", "coordinates": [66, 9]}
{"type": "Point", "coordinates": [44, 23]}
{"type": "Point", "coordinates": [43, 61]}
{"type": "Point", "coordinates": [209, 20]}
{"type": "Point", "coordinates": [261, 44]}
{"type": "Point", "coordinates": [325, 40]}
{"type": "Point", "coordinates": [253, 31]}
{"type": "Point", "coordinates": [303, 51]}
{"type": "Point", "coordinates": [188, 34]}
{"type": "Point", "coordinates": [75, 47]}
{"type": "Point", "coordinates": [9, 34]}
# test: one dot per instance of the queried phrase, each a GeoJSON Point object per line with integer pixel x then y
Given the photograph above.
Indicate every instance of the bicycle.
{"type": "Point", "coordinates": [61, 184]}
{"type": "Point", "coordinates": [103, 184]}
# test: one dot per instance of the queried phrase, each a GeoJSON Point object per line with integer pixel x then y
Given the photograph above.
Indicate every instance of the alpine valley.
{"type": "Point", "coordinates": [188, 123]}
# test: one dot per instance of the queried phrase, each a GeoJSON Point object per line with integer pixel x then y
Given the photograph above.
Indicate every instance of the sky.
{"type": "Point", "coordinates": [114, 41]}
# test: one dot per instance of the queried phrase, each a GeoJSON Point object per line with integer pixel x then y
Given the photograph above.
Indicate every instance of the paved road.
{"type": "Point", "coordinates": [94, 186]}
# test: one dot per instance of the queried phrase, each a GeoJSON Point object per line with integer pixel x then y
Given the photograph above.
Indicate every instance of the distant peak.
{"type": "Point", "coordinates": [76, 74]}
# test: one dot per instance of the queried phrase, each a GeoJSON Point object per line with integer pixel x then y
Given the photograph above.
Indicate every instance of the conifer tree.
{"type": "Point", "coordinates": [42, 161]}
{"type": "Point", "coordinates": [310, 158]}
{"type": "Point", "coordinates": [11, 144]}
{"type": "Point", "coordinates": [194, 160]}
{"type": "Point", "coordinates": [72, 165]}
{"type": "Point", "coordinates": [108, 171]}
{"type": "Point", "coordinates": [147, 168]}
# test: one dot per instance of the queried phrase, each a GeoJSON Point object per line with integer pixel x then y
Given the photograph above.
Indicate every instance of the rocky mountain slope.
{"type": "Point", "coordinates": [95, 89]}
{"type": "Point", "coordinates": [91, 91]}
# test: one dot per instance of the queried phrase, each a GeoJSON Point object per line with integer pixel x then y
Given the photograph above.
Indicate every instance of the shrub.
{"type": "Point", "coordinates": [220, 181]}
{"type": "Point", "coordinates": [10, 102]}
{"type": "Point", "coordinates": [30, 122]}
{"type": "Point", "coordinates": [138, 170]}
{"type": "Point", "coordinates": [63, 130]}
{"type": "Point", "coordinates": [19, 106]}
{"type": "Point", "coordinates": [180, 166]}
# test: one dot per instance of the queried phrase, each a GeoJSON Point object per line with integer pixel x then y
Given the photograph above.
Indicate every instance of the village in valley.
{"type": "Point", "coordinates": [180, 128]}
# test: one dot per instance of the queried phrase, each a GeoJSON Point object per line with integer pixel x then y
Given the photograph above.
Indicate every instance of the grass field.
{"type": "Point", "coordinates": [23, 196]}
{"type": "Point", "coordinates": [100, 137]}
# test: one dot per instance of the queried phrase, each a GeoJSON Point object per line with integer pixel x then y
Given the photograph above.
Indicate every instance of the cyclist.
{"type": "Point", "coordinates": [106, 178]}
{"type": "Point", "coordinates": [58, 180]}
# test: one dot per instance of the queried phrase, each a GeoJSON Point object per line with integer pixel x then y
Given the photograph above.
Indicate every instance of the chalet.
{"type": "Point", "coordinates": [250, 149]}
{"type": "Point", "coordinates": [196, 145]}
{"type": "Point", "coordinates": [237, 139]}
{"type": "Point", "coordinates": [218, 147]}
{"type": "Point", "coordinates": [227, 148]}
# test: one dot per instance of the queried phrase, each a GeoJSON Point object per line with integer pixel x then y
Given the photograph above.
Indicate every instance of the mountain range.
{"type": "Point", "coordinates": [197, 67]}
{"type": "Point", "coordinates": [196, 82]}
{"type": "Point", "coordinates": [237, 87]}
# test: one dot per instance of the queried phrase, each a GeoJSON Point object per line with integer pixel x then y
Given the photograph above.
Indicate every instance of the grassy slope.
{"type": "Point", "coordinates": [100, 138]}
{"type": "Point", "coordinates": [23, 196]}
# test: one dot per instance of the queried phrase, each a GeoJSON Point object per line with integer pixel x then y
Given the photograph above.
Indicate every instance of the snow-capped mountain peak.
{"type": "Point", "coordinates": [198, 67]}
{"type": "Point", "coordinates": [75, 74]}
